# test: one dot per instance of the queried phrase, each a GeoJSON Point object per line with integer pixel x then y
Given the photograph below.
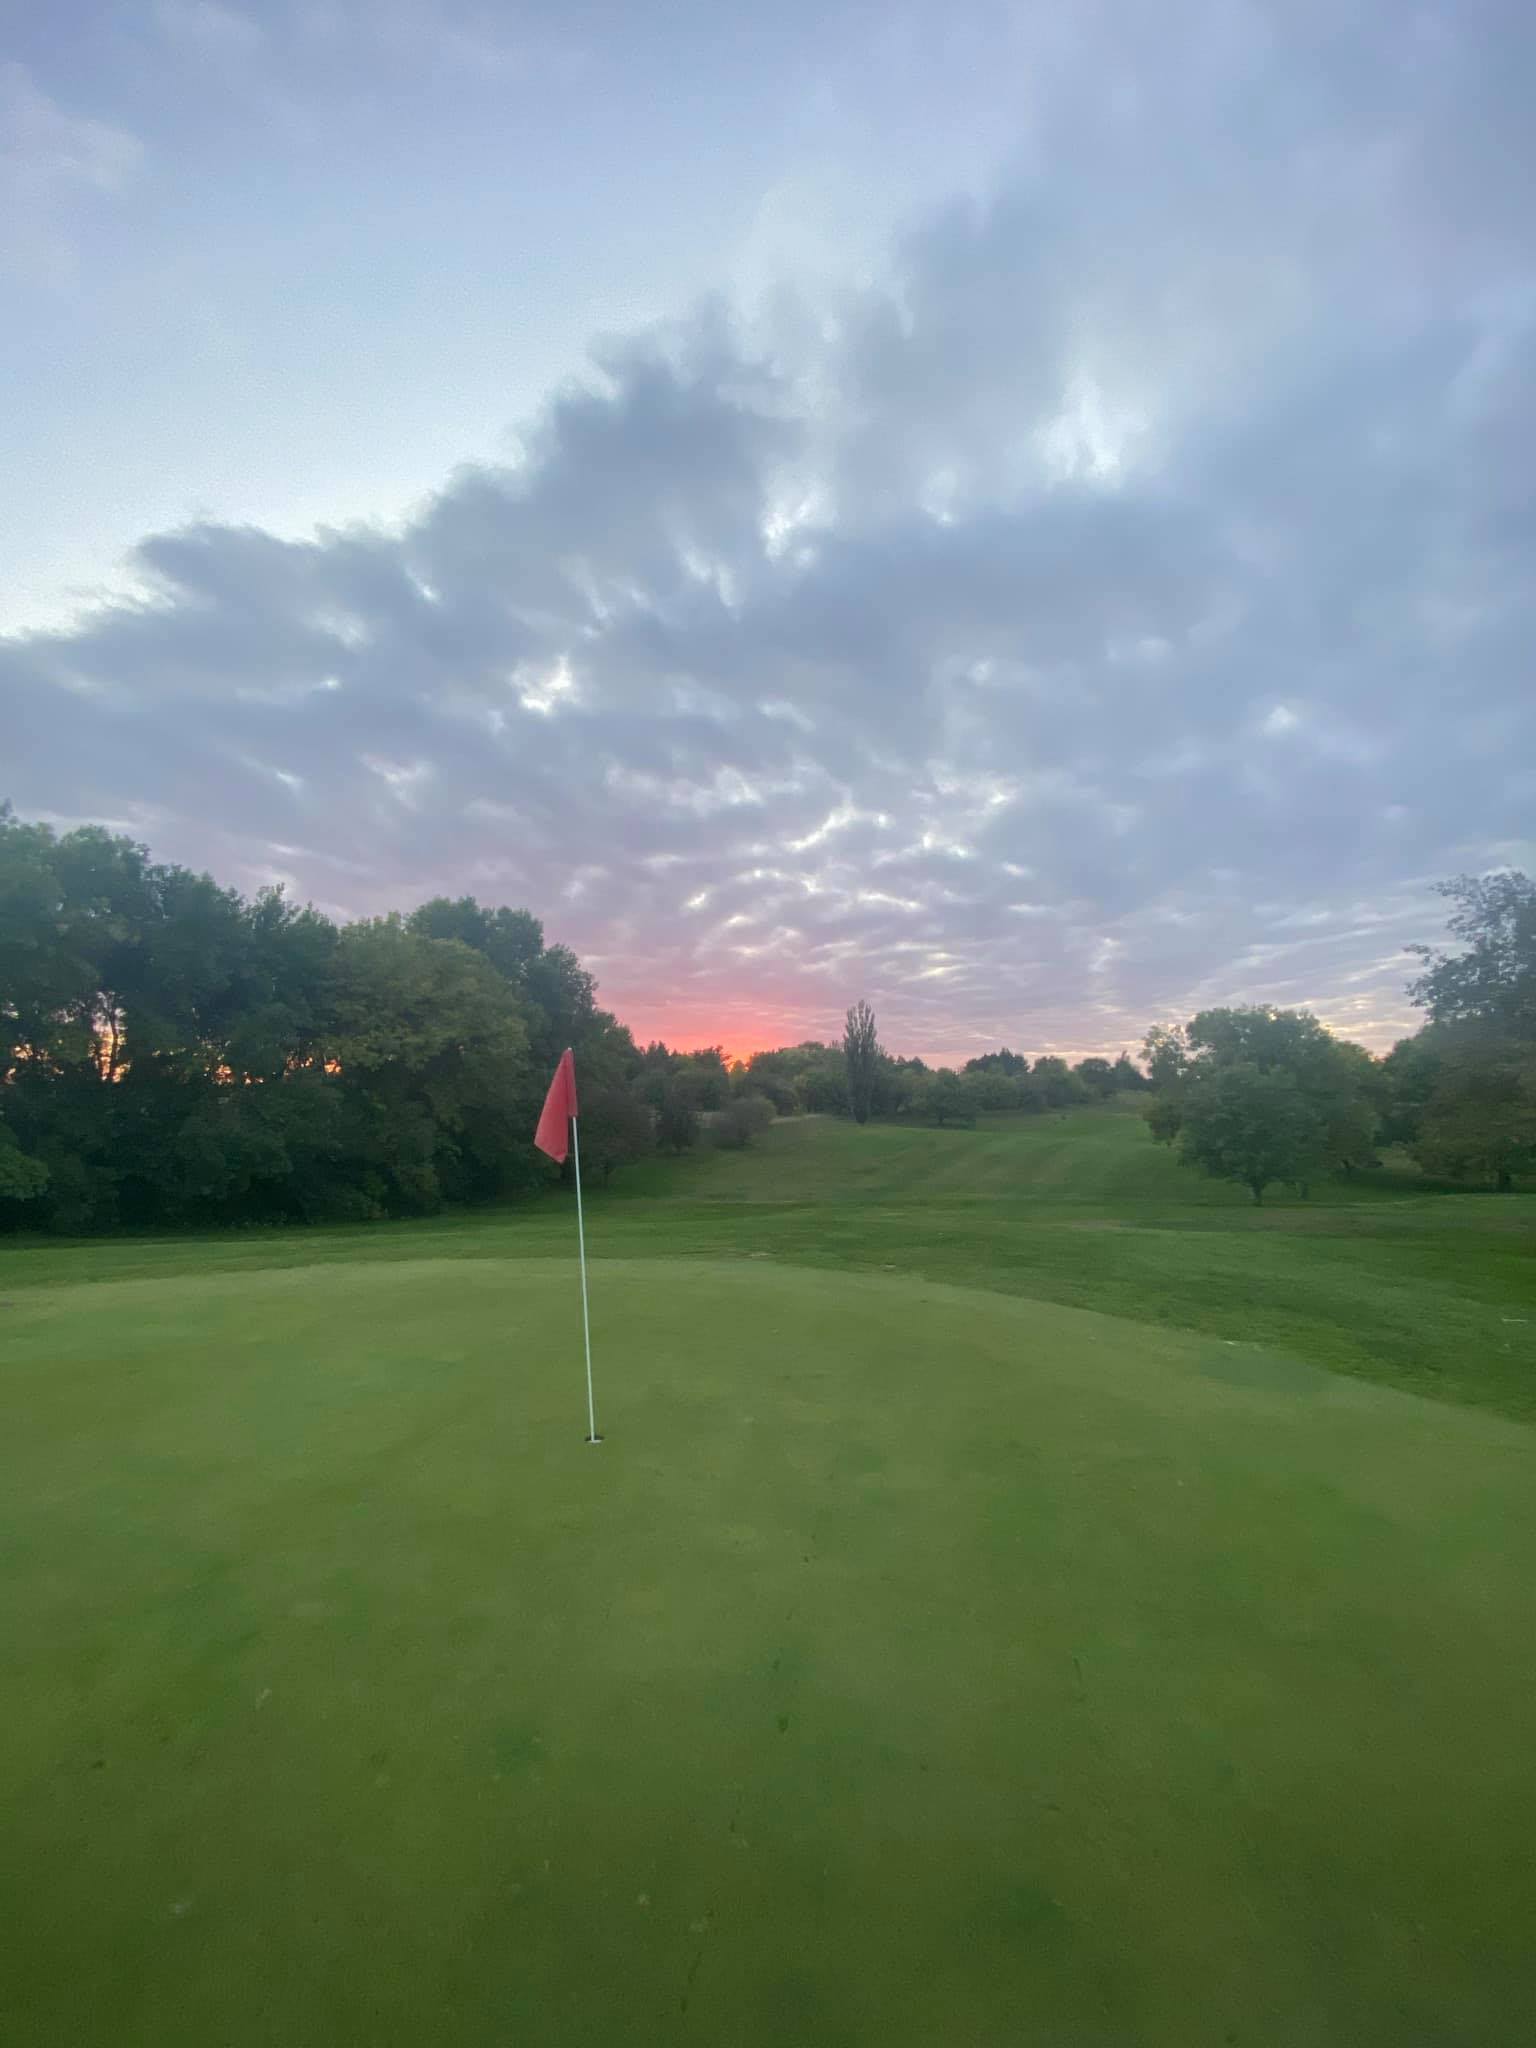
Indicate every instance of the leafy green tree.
{"type": "Point", "coordinates": [1460, 1092]}
{"type": "Point", "coordinates": [677, 1120]}
{"type": "Point", "coordinates": [800, 1078]}
{"type": "Point", "coordinates": [433, 1041]}
{"type": "Point", "coordinates": [890, 1088]}
{"type": "Point", "coordinates": [861, 1060]}
{"type": "Point", "coordinates": [906, 1086]}
{"type": "Point", "coordinates": [401, 1003]}
{"type": "Point", "coordinates": [49, 976]}
{"type": "Point", "coordinates": [990, 1088]}
{"type": "Point", "coordinates": [1242, 1123]}
{"type": "Point", "coordinates": [1480, 1121]}
{"type": "Point", "coordinates": [822, 1085]}
{"type": "Point", "coordinates": [1348, 1089]}
{"type": "Point", "coordinates": [21, 1179]}
{"type": "Point", "coordinates": [1266, 1037]}
{"type": "Point", "coordinates": [557, 994]}
{"type": "Point", "coordinates": [1165, 1115]}
{"type": "Point", "coordinates": [1166, 1052]}
{"type": "Point", "coordinates": [561, 996]}
{"type": "Point", "coordinates": [1410, 1073]}
{"type": "Point", "coordinates": [1129, 1079]}
{"type": "Point", "coordinates": [512, 940]}
{"type": "Point", "coordinates": [949, 1099]}
{"type": "Point", "coordinates": [704, 1076]}
{"type": "Point", "coordinates": [76, 916]}
{"type": "Point", "coordinates": [1052, 1084]}
{"type": "Point", "coordinates": [617, 1128]}
{"type": "Point", "coordinates": [774, 1075]}
{"type": "Point", "coordinates": [177, 982]}
{"type": "Point", "coordinates": [1097, 1077]}
{"type": "Point", "coordinates": [1013, 1064]}
{"type": "Point", "coordinates": [1338, 1085]}
{"type": "Point", "coordinates": [1493, 980]}
{"type": "Point", "coordinates": [277, 1017]}
{"type": "Point", "coordinates": [1339, 1081]}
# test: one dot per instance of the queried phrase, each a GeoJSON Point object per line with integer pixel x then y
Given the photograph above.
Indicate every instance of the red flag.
{"type": "Point", "coordinates": [554, 1133]}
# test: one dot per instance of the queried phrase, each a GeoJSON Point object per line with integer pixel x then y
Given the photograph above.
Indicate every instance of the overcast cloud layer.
{"type": "Point", "coordinates": [1120, 600]}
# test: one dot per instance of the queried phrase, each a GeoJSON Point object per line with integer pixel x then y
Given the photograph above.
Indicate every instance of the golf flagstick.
{"type": "Point", "coordinates": [557, 1134]}
{"type": "Point", "coordinates": [581, 1249]}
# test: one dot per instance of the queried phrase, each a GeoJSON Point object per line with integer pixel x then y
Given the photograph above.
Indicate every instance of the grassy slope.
{"type": "Point", "coordinates": [911, 1665]}
{"type": "Point", "coordinates": [1433, 1293]}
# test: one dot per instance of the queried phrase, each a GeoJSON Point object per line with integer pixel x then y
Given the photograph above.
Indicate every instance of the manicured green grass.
{"type": "Point", "coordinates": [1431, 1292]}
{"type": "Point", "coordinates": [911, 1664]}
{"type": "Point", "coordinates": [916, 1662]}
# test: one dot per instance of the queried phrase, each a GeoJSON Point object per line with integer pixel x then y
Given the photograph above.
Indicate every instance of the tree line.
{"type": "Point", "coordinates": [858, 1078]}
{"type": "Point", "coordinates": [174, 1053]}
{"type": "Point", "coordinates": [1263, 1096]}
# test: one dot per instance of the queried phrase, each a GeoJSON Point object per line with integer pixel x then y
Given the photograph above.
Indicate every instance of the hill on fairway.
{"type": "Point", "coordinates": [916, 1662]}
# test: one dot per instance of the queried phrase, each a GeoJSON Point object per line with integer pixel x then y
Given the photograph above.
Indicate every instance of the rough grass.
{"type": "Point", "coordinates": [912, 1664]}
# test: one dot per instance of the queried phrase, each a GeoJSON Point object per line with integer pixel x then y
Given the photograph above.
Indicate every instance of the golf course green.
{"type": "Point", "coordinates": [925, 1657]}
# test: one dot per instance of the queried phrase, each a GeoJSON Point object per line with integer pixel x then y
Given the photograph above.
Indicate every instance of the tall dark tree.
{"type": "Point", "coordinates": [1166, 1052]}
{"type": "Point", "coordinates": [434, 1043]}
{"type": "Point", "coordinates": [861, 1060]}
{"type": "Point", "coordinates": [677, 1120]}
{"type": "Point", "coordinates": [705, 1076]}
{"type": "Point", "coordinates": [1052, 1084]}
{"type": "Point", "coordinates": [1492, 981]}
{"type": "Point", "coordinates": [618, 1127]}
{"type": "Point", "coordinates": [1411, 1073]}
{"type": "Point", "coordinates": [774, 1075]}
{"type": "Point", "coordinates": [822, 1085]}
{"type": "Point", "coordinates": [21, 1179]}
{"type": "Point", "coordinates": [948, 1098]}
{"type": "Point", "coordinates": [1462, 1093]}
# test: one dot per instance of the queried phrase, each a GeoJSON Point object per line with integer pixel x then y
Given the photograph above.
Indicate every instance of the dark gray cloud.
{"type": "Point", "coordinates": [1122, 601]}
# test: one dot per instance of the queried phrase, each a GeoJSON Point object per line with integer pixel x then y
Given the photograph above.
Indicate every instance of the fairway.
{"type": "Point", "coordinates": [914, 1663]}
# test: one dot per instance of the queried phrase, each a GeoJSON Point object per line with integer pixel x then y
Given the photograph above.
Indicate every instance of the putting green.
{"type": "Point", "coordinates": [911, 1665]}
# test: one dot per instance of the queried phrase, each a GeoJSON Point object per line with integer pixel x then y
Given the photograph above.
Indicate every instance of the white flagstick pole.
{"type": "Point", "coordinates": [586, 1323]}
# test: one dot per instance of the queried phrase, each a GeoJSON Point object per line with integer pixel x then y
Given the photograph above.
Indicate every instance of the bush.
{"type": "Point", "coordinates": [740, 1121]}
{"type": "Point", "coordinates": [987, 1089]}
{"type": "Point", "coordinates": [948, 1099]}
{"type": "Point", "coordinates": [21, 1179]}
{"type": "Point", "coordinates": [677, 1121]}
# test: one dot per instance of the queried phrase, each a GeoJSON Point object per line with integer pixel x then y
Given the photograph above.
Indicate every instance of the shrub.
{"type": "Point", "coordinates": [741, 1121]}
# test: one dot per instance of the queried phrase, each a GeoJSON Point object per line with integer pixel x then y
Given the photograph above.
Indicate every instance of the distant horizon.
{"type": "Point", "coordinates": [687, 1038]}
{"type": "Point", "coordinates": [740, 1045]}
{"type": "Point", "coordinates": [687, 1041]}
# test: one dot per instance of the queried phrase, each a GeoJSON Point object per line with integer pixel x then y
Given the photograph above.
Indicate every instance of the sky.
{"type": "Point", "coordinates": [1025, 514]}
